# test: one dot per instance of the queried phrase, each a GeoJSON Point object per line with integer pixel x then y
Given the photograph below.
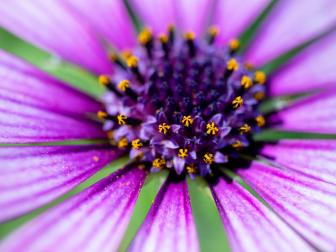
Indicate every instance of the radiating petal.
{"type": "Point", "coordinates": [314, 67]}
{"type": "Point", "coordinates": [108, 18]}
{"type": "Point", "coordinates": [52, 26]}
{"type": "Point", "coordinates": [307, 204]}
{"type": "Point", "coordinates": [33, 176]}
{"type": "Point", "coordinates": [291, 23]}
{"type": "Point", "coordinates": [169, 225]}
{"type": "Point", "coordinates": [311, 157]}
{"type": "Point", "coordinates": [233, 16]}
{"type": "Point", "coordinates": [94, 220]}
{"type": "Point", "coordinates": [250, 225]}
{"type": "Point", "coordinates": [316, 114]}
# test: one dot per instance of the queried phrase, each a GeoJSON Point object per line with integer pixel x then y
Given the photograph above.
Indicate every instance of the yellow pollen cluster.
{"type": "Point", "coordinates": [213, 31]}
{"type": "Point", "coordinates": [132, 61]}
{"type": "Point", "coordinates": [208, 158]}
{"type": "Point", "coordinates": [136, 144]}
{"type": "Point", "coordinates": [182, 153]}
{"type": "Point", "coordinates": [237, 102]}
{"type": "Point", "coordinates": [159, 163]}
{"type": "Point", "coordinates": [189, 36]}
{"type": "Point", "coordinates": [246, 82]}
{"type": "Point", "coordinates": [123, 85]}
{"type": "Point", "coordinates": [259, 96]}
{"type": "Point", "coordinates": [260, 77]}
{"type": "Point", "coordinates": [187, 121]}
{"type": "Point", "coordinates": [234, 44]}
{"type": "Point", "coordinates": [260, 121]}
{"type": "Point", "coordinates": [101, 114]}
{"type": "Point", "coordinates": [103, 80]}
{"type": "Point", "coordinates": [145, 36]}
{"type": "Point", "coordinates": [122, 143]}
{"type": "Point", "coordinates": [232, 65]}
{"type": "Point", "coordinates": [163, 128]}
{"type": "Point", "coordinates": [237, 144]}
{"type": "Point", "coordinates": [245, 129]}
{"type": "Point", "coordinates": [121, 119]}
{"type": "Point", "coordinates": [191, 168]}
{"type": "Point", "coordinates": [212, 129]}
{"type": "Point", "coordinates": [163, 38]}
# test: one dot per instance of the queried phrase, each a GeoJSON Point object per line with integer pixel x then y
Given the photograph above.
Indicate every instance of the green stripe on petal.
{"type": "Point", "coordinates": [209, 226]}
{"type": "Point", "coordinates": [69, 73]}
{"type": "Point", "coordinates": [275, 135]}
{"type": "Point", "coordinates": [60, 143]}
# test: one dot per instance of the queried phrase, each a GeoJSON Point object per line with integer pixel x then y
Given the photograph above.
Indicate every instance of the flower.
{"type": "Point", "coordinates": [178, 101]}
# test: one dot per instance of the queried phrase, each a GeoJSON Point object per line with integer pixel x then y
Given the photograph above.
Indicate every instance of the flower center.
{"type": "Point", "coordinates": [182, 103]}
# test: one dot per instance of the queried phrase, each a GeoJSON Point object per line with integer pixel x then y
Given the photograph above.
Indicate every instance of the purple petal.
{"type": "Point", "coordinates": [316, 114]}
{"type": "Point", "coordinates": [108, 18]}
{"type": "Point", "coordinates": [53, 27]}
{"type": "Point", "coordinates": [307, 204]}
{"type": "Point", "coordinates": [169, 225]}
{"type": "Point", "coordinates": [233, 16]}
{"type": "Point", "coordinates": [312, 158]}
{"type": "Point", "coordinates": [312, 68]}
{"type": "Point", "coordinates": [250, 225]}
{"type": "Point", "coordinates": [291, 23]}
{"type": "Point", "coordinates": [33, 176]}
{"type": "Point", "coordinates": [94, 220]}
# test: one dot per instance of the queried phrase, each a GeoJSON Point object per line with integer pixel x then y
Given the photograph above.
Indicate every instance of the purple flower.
{"type": "Point", "coordinates": [182, 98]}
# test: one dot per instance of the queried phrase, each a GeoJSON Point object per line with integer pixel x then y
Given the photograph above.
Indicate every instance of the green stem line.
{"type": "Point", "coordinates": [74, 142]}
{"type": "Point", "coordinates": [276, 135]}
{"type": "Point", "coordinates": [136, 21]}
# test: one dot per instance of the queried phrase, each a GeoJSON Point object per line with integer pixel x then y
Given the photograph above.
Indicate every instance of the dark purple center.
{"type": "Point", "coordinates": [182, 103]}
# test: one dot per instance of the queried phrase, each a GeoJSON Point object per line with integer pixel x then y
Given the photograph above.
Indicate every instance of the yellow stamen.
{"type": "Point", "coordinates": [136, 144]}
{"type": "Point", "coordinates": [246, 82]}
{"type": "Point", "coordinates": [192, 168]}
{"type": "Point", "coordinates": [260, 121]}
{"type": "Point", "coordinates": [101, 114]}
{"type": "Point", "coordinates": [110, 134]}
{"type": "Point", "coordinates": [183, 153]}
{"type": "Point", "coordinates": [163, 38]}
{"type": "Point", "coordinates": [126, 54]}
{"type": "Point", "coordinates": [259, 96]}
{"type": "Point", "coordinates": [237, 144]}
{"type": "Point", "coordinates": [189, 36]}
{"type": "Point", "coordinates": [208, 158]}
{"type": "Point", "coordinates": [245, 129]}
{"type": "Point", "coordinates": [187, 121]}
{"type": "Point", "coordinates": [113, 56]}
{"type": "Point", "coordinates": [159, 163]}
{"type": "Point", "coordinates": [145, 36]}
{"type": "Point", "coordinates": [123, 85]}
{"type": "Point", "coordinates": [232, 65]}
{"type": "Point", "coordinates": [213, 31]}
{"type": "Point", "coordinates": [121, 119]}
{"type": "Point", "coordinates": [163, 128]}
{"type": "Point", "coordinates": [132, 61]}
{"type": "Point", "coordinates": [234, 44]}
{"type": "Point", "coordinates": [248, 65]}
{"type": "Point", "coordinates": [260, 77]}
{"type": "Point", "coordinates": [237, 102]}
{"type": "Point", "coordinates": [171, 28]}
{"type": "Point", "coordinates": [122, 143]}
{"type": "Point", "coordinates": [212, 129]}
{"type": "Point", "coordinates": [103, 80]}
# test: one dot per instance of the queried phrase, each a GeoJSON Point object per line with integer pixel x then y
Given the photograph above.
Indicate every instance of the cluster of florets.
{"type": "Point", "coordinates": [181, 103]}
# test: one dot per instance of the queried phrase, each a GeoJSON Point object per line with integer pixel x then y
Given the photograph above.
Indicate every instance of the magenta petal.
{"type": "Point", "coordinates": [108, 18]}
{"type": "Point", "coordinates": [169, 225]}
{"type": "Point", "coordinates": [94, 220]}
{"type": "Point", "coordinates": [50, 25]}
{"type": "Point", "coordinates": [307, 204]}
{"type": "Point", "coordinates": [33, 176]}
{"type": "Point", "coordinates": [316, 114]}
{"type": "Point", "coordinates": [314, 67]}
{"type": "Point", "coordinates": [313, 158]}
{"type": "Point", "coordinates": [291, 23]}
{"type": "Point", "coordinates": [233, 16]}
{"type": "Point", "coordinates": [250, 225]}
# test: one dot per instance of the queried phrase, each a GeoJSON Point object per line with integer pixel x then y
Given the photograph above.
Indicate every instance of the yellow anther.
{"type": "Point", "coordinates": [132, 61]}
{"type": "Point", "coordinates": [246, 82]}
{"type": "Point", "coordinates": [237, 102]}
{"type": "Point", "coordinates": [126, 54]}
{"type": "Point", "coordinates": [122, 143]}
{"type": "Point", "coordinates": [189, 36]}
{"type": "Point", "coordinates": [192, 168]}
{"type": "Point", "coordinates": [121, 119]}
{"type": "Point", "coordinates": [163, 128]}
{"type": "Point", "coordinates": [113, 56]}
{"type": "Point", "coordinates": [182, 153]}
{"type": "Point", "coordinates": [101, 114]}
{"type": "Point", "coordinates": [110, 134]}
{"type": "Point", "coordinates": [171, 28]}
{"type": "Point", "coordinates": [123, 85]}
{"type": "Point", "coordinates": [237, 144]}
{"type": "Point", "coordinates": [248, 65]}
{"type": "Point", "coordinates": [103, 80]}
{"type": "Point", "coordinates": [136, 144]}
{"type": "Point", "coordinates": [163, 38]}
{"type": "Point", "coordinates": [260, 77]}
{"type": "Point", "coordinates": [209, 158]}
{"type": "Point", "coordinates": [187, 121]}
{"type": "Point", "coordinates": [212, 128]}
{"type": "Point", "coordinates": [260, 120]}
{"type": "Point", "coordinates": [232, 65]}
{"type": "Point", "coordinates": [259, 96]}
{"type": "Point", "coordinates": [234, 44]}
{"type": "Point", "coordinates": [245, 129]}
{"type": "Point", "coordinates": [145, 36]}
{"type": "Point", "coordinates": [213, 31]}
{"type": "Point", "coordinates": [159, 163]}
